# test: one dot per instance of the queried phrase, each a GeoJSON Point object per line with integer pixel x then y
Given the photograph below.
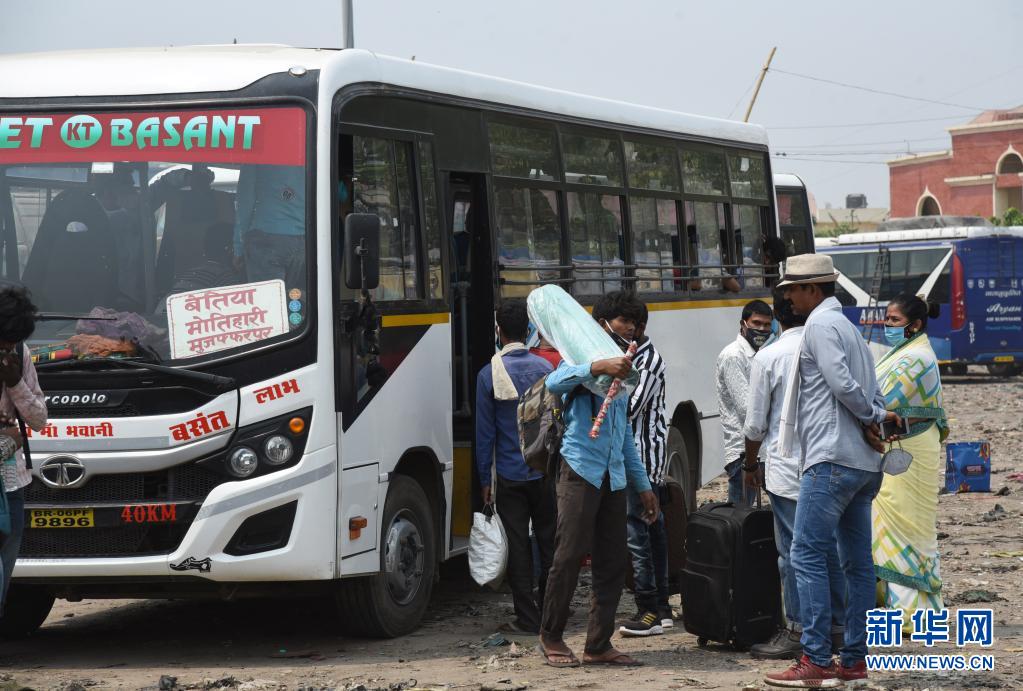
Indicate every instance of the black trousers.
{"type": "Point", "coordinates": [590, 520]}
{"type": "Point", "coordinates": [518, 502]}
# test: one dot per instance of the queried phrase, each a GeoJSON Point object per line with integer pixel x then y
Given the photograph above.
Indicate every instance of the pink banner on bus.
{"type": "Point", "coordinates": [269, 136]}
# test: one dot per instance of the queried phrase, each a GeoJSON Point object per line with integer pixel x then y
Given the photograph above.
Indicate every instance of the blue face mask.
{"type": "Point", "coordinates": [895, 335]}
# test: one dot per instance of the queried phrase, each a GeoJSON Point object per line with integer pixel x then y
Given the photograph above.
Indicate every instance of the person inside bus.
{"type": "Point", "coordinates": [521, 493]}
{"type": "Point", "coordinates": [592, 478]}
{"type": "Point", "coordinates": [831, 400]}
{"type": "Point", "coordinates": [779, 474]}
{"type": "Point", "coordinates": [22, 398]}
{"type": "Point", "coordinates": [732, 377]}
{"type": "Point", "coordinates": [269, 230]}
{"type": "Point", "coordinates": [905, 541]}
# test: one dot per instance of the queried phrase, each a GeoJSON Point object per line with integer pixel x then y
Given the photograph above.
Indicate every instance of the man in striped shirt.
{"type": "Point", "coordinates": [624, 316]}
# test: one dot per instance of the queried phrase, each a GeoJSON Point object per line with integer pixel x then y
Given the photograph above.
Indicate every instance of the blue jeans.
{"type": "Point", "coordinates": [648, 545]}
{"type": "Point", "coordinates": [784, 526]}
{"type": "Point", "coordinates": [10, 544]}
{"type": "Point", "coordinates": [834, 502]}
{"type": "Point", "coordinates": [737, 493]}
{"type": "Point", "coordinates": [269, 256]}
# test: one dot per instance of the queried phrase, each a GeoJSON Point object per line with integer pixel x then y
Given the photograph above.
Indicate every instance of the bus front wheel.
{"type": "Point", "coordinates": [25, 611]}
{"type": "Point", "coordinates": [1002, 369]}
{"type": "Point", "coordinates": [392, 603]}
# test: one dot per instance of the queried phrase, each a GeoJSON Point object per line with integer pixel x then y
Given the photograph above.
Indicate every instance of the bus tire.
{"type": "Point", "coordinates": [392, 603]}
{"type": "Point", "coordinates": [1002, 369]}
{"type": "Point", "coordinates": [26, 609]}
{"type": "Point", "coordinates": [679, 467]}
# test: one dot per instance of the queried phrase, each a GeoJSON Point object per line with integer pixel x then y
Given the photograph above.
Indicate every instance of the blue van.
{"type": "Point", "coordinates": [975, 272]}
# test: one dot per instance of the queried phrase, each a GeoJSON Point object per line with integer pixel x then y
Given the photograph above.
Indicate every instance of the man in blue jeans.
{"type": "Point", "coordinates": [779, 474]}
{"type": "Point", "coordinates": [834, 396]}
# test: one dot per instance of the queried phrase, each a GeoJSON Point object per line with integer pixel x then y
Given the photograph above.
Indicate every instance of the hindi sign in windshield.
{"type": "Point", "coordinates": [208, 320]}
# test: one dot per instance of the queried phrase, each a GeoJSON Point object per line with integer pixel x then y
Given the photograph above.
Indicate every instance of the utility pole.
{"type": "Point", "coordinates": [760, 80]}
{"type": "Point", "coordinates": [347, 25]}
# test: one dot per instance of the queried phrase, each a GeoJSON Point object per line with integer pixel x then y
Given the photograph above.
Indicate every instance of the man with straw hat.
{"type": "Point", "coordinates": [834, 396]}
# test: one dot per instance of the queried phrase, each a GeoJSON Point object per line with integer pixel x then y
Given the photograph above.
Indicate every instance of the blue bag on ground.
{"type": "Point", "coordinates": [968, 466]}
{"type": "Point", "coordinates": [569, 327]}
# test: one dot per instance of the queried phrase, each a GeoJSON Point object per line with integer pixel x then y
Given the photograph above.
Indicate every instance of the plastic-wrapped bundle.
{"type": "Point", "coordinates": [569, 328]}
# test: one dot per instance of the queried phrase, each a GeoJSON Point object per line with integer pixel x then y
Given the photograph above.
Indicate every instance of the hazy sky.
{"type": "Point", "coordinates": [695, 57]}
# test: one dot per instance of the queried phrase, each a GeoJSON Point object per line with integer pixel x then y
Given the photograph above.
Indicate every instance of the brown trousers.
{"type": "Point", "coordinates": [590, 521]}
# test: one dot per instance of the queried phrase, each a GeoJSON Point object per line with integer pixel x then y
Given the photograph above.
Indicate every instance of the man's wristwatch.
{"type": "Point", "coordinates": [745, 466]}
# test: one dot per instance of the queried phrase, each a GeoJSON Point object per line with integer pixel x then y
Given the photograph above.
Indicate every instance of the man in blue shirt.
{"type": "Point", "coordinates": [592, 477]}
{"type": "Point", "coordinates": [522, 494]}
{"type": "Point", "coordinates": [269, 229]}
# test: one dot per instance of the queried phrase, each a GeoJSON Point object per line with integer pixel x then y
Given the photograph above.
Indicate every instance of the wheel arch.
{"type": "Point", "coordinates": [421, 465]}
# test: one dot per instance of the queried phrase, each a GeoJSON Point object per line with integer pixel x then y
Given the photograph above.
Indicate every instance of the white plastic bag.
{"type": "Point", "coordinates": [488, 548]}
{"type": "Point", "coordinates": [573, 332]}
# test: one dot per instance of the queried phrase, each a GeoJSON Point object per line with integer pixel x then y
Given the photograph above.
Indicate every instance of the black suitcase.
{"type": "Point", "coordinates": [731, 591]}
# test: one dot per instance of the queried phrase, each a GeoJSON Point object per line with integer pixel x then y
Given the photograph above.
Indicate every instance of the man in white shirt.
{"type": "Point", "coordinates": [779, 472]}
{"type": "Point", "coordinates": [732, 376]}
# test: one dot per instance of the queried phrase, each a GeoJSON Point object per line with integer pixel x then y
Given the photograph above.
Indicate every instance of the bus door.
{"type": "Point", "coordinates": [472, 327]}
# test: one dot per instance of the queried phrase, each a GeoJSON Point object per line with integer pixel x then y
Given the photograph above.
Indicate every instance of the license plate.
{"type": "Point", "coordinates": [1005, 358]}
{"type": "Point", "coordinates": [61, 518]}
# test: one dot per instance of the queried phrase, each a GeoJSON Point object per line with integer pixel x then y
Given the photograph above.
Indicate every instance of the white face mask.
{"type": "Point", "coordinates": [622, 343]}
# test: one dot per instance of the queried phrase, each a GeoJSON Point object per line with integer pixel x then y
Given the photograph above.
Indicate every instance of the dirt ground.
{"type": "Point", "coordinates": [292, 645]}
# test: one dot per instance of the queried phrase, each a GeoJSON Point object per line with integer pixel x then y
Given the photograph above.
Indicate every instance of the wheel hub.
{"type": "Point", "coordinates": [404, 554]}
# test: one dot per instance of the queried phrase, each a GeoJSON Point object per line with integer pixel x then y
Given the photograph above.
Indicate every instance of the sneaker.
{"type": "Point", "coordinates": [784, 646]}
{"type": "Point", "coordinates": [667, 618]}
{"type": "Point", "coordinates": [853, 673]}
{"type": "Point", "coordinates": [643, 624]}
{"type": "Point", "coordinates": [805, 675]}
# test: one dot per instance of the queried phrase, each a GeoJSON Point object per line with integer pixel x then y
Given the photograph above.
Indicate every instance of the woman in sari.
{"type": "Point", "coordinates": [905, 543]}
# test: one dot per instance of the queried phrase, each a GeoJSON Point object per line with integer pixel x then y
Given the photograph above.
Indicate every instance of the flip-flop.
{"type": "Point", "coordinates": [617, 659]}
{"type": "Point", "coordinates": [549, 658]}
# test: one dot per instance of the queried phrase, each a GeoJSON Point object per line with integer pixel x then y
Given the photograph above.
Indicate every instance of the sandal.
{"type": "Point", "coordinates": [556, 659]}
{"type": "Point", "coordinates": [613, 657]}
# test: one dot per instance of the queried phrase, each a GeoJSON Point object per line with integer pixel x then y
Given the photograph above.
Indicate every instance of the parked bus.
{"type": "Point", "coordinates": [795, 216]}
{"type": "Point", "coordinates": [974, 272]}
{"type": "Point", "coordinates": [267, 279]}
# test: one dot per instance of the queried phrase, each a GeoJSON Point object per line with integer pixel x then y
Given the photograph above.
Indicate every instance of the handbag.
{"type": "Point", "coordinates": [488, 547]}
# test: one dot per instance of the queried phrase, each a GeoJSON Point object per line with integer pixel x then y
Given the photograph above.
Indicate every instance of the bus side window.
{"type": "Point", "coordinates": [595, 231]}
{"type": "Point", "coordinates": [654, 243]}
{"type": "Point", "coordinates": [707, 230]}
{"type": "Point", "coordinates": [528, 235]}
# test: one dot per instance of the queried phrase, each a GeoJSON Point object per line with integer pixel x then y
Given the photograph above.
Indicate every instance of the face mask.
{"type": "Point", "coordinates": [895, 335]}
{"type": "Point", "coordinates": [775, 330]}
{"type": "Point", "coordinates": [622, 343]}
{"type": "Point", "coordinates": [757, 337]}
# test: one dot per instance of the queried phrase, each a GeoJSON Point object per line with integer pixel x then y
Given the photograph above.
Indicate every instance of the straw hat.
{"type": "Point", "coordinates": [809, 268]}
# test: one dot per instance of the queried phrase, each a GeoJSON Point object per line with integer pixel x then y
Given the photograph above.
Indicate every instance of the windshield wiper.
{"type": "Point", "coordinates": [220, 383]}
{"type": "Point", "coordinates": [56, 316]}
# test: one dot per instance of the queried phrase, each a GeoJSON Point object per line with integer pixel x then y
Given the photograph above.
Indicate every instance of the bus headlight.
{"type": "Point", "coordinates": [243, 461]}
{"type": "Point", "coordinates": [278, 450]}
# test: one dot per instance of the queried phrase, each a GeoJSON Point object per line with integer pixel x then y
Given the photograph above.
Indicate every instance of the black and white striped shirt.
{"type": "Point", "coordinates": [646, 412]}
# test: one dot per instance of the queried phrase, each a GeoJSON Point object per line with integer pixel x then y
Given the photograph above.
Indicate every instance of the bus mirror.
{"type": "Point", "coordinates": [362, 251]}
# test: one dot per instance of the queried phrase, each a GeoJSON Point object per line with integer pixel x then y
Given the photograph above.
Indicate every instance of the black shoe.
{"type": "Point", "coordinates": [643, 624]}
{"type": "Point", "coordinates": [837, 641]}
{"type": "Point", "coordinates": [784, 646]}
{"type": "Point", "coordinates": [667, 618]}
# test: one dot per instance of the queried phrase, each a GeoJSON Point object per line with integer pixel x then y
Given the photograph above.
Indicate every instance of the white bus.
{"type": "Point", "coordinates": [226, 428]}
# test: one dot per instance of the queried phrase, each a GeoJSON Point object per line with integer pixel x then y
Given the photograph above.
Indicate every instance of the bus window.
{"type": "Point", "coordinates": [794, 222]}
{"type": "Point", "coordinates": [652, 167]}
{"type": "Point", "coordinates": [592, 160]}
{"type": "Point", "coordinates": [746, 173]}
{"type": "Point", "coordinates": [703, 172]}
{"type": "Point", "coordinates": [922, 264]}
{"type": "Point", "coordinates": [895, 281]}
{"type": "Point", "coordinates": [853, 266]}
{"type": "Point", "coordinates": [383, 187]}
{"type": "Point", "coordinates": [749, 244]}
{"type": "Point", "coordinates": [705, 229]}
{"type": "Point", "coordinates": [431, 222]}
{"type": "Point", "coordinates": [523, 152]}
{"type": "Point", "coordinates": [595, 236]}
{"type": "Point", "coordinates": [528, 235]}
{"type": "Point", "coordinates": [654, 242]}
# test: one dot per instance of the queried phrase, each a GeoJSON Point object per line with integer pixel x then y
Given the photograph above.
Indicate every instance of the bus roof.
{"type": "Point", "coordinates": [218, 68]}
{"type": "Point", "coordinates": [923, 234]}
{"type": "Point", "coordinates": [787, 180]}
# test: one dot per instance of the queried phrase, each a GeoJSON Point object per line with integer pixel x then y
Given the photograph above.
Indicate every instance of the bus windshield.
{"type": "Point", "coordinates": [164, 235]}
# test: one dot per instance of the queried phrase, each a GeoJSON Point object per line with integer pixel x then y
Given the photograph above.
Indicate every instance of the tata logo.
{"type": "Point", "coordinates": [62, 472]}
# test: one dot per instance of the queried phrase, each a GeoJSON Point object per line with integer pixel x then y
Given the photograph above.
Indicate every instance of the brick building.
{"type": "Point", "coordinates": [980, 175]}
